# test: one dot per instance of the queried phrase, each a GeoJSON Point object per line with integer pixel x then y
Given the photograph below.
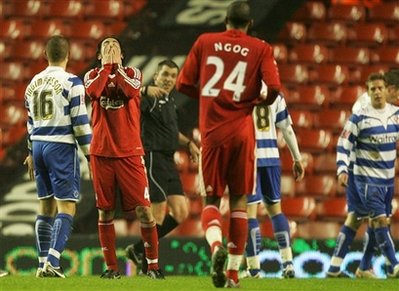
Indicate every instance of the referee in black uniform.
{"type": "Point", "coordinates": [161, 138]}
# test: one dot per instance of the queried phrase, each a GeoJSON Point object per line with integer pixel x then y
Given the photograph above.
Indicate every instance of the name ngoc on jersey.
{"type": "Point", "coordinates": [228, 47]}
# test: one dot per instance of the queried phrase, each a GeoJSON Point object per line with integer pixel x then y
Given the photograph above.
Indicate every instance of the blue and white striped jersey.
{"type": "Point", "coordinates": [372, 134]}
{"type": "Point", "coordinates": [55, 100]}
{"type": "Point", "coordinates": [266, 119]}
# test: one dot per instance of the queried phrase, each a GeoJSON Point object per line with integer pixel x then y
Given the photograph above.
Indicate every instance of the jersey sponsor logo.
{"type": "Point", "coordinates": [109, 103]}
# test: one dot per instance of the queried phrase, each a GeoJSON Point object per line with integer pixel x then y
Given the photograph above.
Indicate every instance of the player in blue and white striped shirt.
{"type": "Point", "coordinates": [266, 120]}
{"type": "Point", "coordinates": [57, 121]}
{"type": "Point", "coordinates": [372, 134]}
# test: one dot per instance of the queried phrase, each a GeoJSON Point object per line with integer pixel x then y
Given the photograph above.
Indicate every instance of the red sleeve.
{"type": "Point", "coordinates": [187, 81]}
{"type": "Point", "coordinates": [128, 80]}
{"type": "Point", "coordinates": [270, 72]}
{"type": "Point", "coordinates": [96, 80]}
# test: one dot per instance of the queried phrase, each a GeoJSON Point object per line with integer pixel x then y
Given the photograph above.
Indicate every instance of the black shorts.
{"type": "Point", "coordinates": [163, 176]}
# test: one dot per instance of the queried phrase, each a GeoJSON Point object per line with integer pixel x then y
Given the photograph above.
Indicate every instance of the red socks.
{"type": "Point", "coordinates": [106, 233]}
{"type": "Point", "coordinates": [238, 232]}
{"type": "Point", "coordinates": [150, 238]}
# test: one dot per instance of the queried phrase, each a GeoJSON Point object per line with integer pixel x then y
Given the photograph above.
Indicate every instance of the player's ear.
{"type": "Point", "coordinates": [45, 54]}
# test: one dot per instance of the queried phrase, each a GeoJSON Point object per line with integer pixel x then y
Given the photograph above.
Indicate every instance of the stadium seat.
{"type": "Point", "coordinates": [313, 140]}
{"type": "Point", "coordinates": [12, 29]}
{"type": "Point", "coordinates": [293, 73]}
{"type": "Point", "coordinates": [105, 9]}
{"type": "Point", "coordinates": [293, 32]}
{"type": "Point", "coordinates": [12, 92]}
{"type": "Point", "coordinates": [30, 8]}
{"type": "Point", "coordinates": [78, 67]}
{"type": "Point", "coordinates": [329, 33]}
{"type": "Point", "coordinates": [13, 71]}
{"type": "Point", "coordinates": [318, 230]}
{"type": "Point", "coordinates": [370, 34]}
{"type": "Point", "coordinates": [310, 11]}
{"type": "Point", "coordinates": [365, 71]}
{"type": "Point", "coordinates": [287, 185]}
{"type": "Point", "coordinates": [12, 114]}
{"type": "Point", "coordinates": [10, 136]}
{"type": "Point", "coordinates": [309, 53]}
{"type": "Point", "coordinates": [298, 208]}
{"type": "Point", "coordinates": [325, 163]}
{"type": "Point", "coordinates": [347, 13]}
{"type": "Point", "coordinates": [28, 50]}
{"type": "Point", "coordinates": [393, 35]}
{"type": "Point", "coordinates": [385, 12]}
{"type": "Point", "coordinates": [89, 29]}
{"type": "Point", "coordinates": [350, 55]}
{"type": "Point", "coordinates": [346, 96]}
{"type": "Point", "coordinates": [331, 75]}
{"type": "Point", "coordinates": [332, 209]}
{"type": "Point", "coordinates": [311, 97]}
{"type": "Point", "coordinates": [82, 50]}
{"type": "Point", "coordinates": [280, 52]}
{"type": "Point", "coordinates": [331, 119]}
{"type": "Point", "coordinates": [301, 118]}
{"type": "Point", "coordinates": [387, 55]}
{"type": "Point", "coordinates": [5, 49]}
{"type": "Point", "coordinates": [47, 28]}
{"type": "Point", "coordinates": [182, 161]}
{"type": "Point", "coordinates": [319, 186]}
{"type": "Point", "coordinates": [266, 228]}
{"type": "Point", "coordinates": [72, 9]}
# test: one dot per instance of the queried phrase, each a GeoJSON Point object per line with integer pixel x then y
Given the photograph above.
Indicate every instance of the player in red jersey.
{"type": "Point", "coordinates": [117, 153]}
{"type": "Point", "coordinates": [225, 70]}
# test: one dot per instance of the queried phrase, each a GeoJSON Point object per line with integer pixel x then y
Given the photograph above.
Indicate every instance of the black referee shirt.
{"type": "Point", "coordinates": [159, 127]}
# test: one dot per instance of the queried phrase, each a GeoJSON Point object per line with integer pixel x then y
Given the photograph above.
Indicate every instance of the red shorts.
{"type": "Point", "coordinates": [232, 164]}
{"type": "Point", "coordinates": [128, 174]}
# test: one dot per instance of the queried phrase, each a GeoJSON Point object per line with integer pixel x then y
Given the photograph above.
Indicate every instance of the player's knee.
{"type": "Point", "coordinates": [180, 213]}
{"type": "Point", "coordinates": [144, 214]}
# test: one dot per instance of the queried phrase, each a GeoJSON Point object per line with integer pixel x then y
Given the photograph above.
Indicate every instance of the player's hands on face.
{"type": "Point", "coordinates": [29, 163]}
{"type": "Point", "coordinates": [298, 170]}
{"type": "Point", "coordinates": [343, 179]}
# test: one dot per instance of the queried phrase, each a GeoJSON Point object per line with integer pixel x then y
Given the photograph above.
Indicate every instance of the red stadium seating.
{"type": "Point", "coordinates": [293, 73]}
{"type": "Point", "coordinates": [5, 49]}
{"type": "Point", "coordinates": [393, 35]}
{"type": "Point", "coordinates": [346, 96]}
{"type": "Point", "coordinates": [287, 185]}
{"type": "Point", "coordinates": [13, 71]}
{"type": "Point", "coordinates": [30, 50]}
{"type": "Point", "coordinates": [319, 186]}
{"type": "Point", "coordinates": [313, 140]}
{"type": "Point", "coordinates": [12, 29]}
{"type": "Point", "coordinates": [332, 209]}
{"type": "Point", "coordinates": [386, 55]}
{"type": "Point", "coordinates": [89, 29]}
{"type": "Point", "coordinates": [325, 164]}
{"type": "Point", "coordinates": [347, 13]}
{"type": "Point", "coordinates": [67, 9]}
{"type": "Point", "coordinates": [310, 11]}
{"type": "Point", "coordinates": [46, 28]}
{"type": "Point", "coordinates": [10, 136]}
{"type": "Point", "coordinates": [298, 208]}
{"type": "Point", "coordinates": [310, 97]}
{"type": "Point", "coordinates": [301, 118]}
{"type": "Point", "coordinates": [386, 12]}
{"type": "Point", "coordinates": [293, 32]}
{"type": "Point", "coordinates": [111, 9]}
{"type": "Point", "coordinates": [308, 53]}
{"type": "Point", "coordinates": [365, 71]}
{"type": "Point", "coordinates": [280, 52]}
{"type": "Point", "coordinates": [29, 8]}
{"type": "Point", "coordinates": [329, 33]}
{"type": "Point", "coordinates": [13, 113]}
{"type": "Point", "coordinates": [372, 34]}
{"type": "Point", "coordinates": [332, 119]}
{"type": "Point", "coordinates": [331, 75]}
{"type": "Point", "coordinates": [350, 55]}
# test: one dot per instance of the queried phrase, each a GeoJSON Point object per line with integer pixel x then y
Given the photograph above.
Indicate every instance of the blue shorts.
{"type": "Point", "coordinates": [355, 203]}
{"type": "Point", "coordinates": [374, 198]}
{"type": "Point", "coordinates": [268, 183]}
{"type": "Point", "coordinates": [57, 171]}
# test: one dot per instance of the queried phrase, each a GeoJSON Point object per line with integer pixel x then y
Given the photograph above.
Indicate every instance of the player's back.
{"type": "Point", "coordinates": [232, 66]}
{"type": "Point", "coordinates": [49, 96]}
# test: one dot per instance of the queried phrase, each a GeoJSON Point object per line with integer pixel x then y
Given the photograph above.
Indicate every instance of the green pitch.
{"type": "Point", "coordinates": [189, 283]}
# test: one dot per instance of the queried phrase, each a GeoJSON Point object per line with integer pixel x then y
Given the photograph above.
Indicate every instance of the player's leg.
{"type": "Point", "coordinates": [388, 205]}
{"type": "Point", "coordinates": [104, 187]}
{"type": "Point", "coordinates": [132, 179]}
{"type": "Point", "coordinates": [365, 269]}
{"type": "Point", "coordinates": [47, 206]}
{"type": "Point", "coordinates": [252, 247]}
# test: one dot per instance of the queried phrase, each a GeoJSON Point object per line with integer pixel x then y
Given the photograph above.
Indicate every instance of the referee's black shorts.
{"type": "Point", "coordinates": [163, 176]}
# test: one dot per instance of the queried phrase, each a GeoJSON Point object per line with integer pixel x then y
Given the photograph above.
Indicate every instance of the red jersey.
{"type": "Point", "coordinates": [225, 70]}
{"type": "Point", "coordinates": [115, 95]}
